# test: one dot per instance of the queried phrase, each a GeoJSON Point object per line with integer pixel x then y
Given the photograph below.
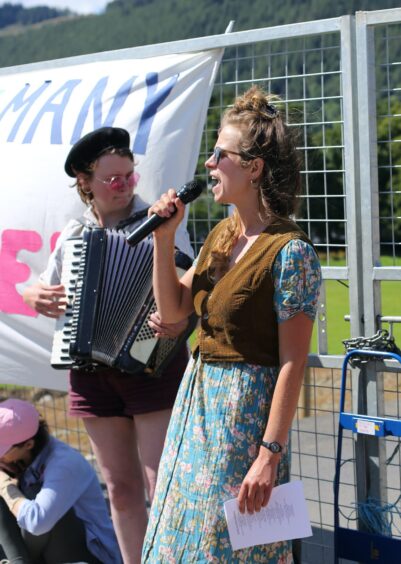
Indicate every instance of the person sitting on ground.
{"type": "Point", "coordinates": [52, 508]}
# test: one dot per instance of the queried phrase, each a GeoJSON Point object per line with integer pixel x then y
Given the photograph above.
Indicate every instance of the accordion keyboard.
{"type": "Point", "coordinates": [64, 332]}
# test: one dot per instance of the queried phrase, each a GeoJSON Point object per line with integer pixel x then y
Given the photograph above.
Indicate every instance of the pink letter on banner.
{"type": "Point", "coordinates": [12, 271]}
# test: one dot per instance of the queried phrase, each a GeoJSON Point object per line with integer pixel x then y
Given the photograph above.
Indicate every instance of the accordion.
{"type": "Point", "coordinates": [108, 285]}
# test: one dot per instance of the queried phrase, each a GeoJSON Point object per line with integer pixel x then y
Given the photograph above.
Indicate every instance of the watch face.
{"type": "Point", "coordinates": [275, 447]}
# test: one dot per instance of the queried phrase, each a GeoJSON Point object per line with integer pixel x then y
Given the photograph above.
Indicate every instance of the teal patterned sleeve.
{"type": "Point", "coordinates": [297, 278]}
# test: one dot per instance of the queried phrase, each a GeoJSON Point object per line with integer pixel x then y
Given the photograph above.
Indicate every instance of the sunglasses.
{"type": "Point", "coordinates": [219, 153]}
{"type": "Point", "coordinates": [118, 182]}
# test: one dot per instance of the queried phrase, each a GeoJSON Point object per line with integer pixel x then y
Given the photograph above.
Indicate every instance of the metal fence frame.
{"type": "Point", "coordinates": [357, 98]}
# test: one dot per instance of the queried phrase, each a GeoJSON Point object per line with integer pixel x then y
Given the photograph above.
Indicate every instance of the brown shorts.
{"type": "Point", "coordinates": [109, 392]}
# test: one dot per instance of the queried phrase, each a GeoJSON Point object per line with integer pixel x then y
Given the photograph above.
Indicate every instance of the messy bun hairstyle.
{"type": "Point", "coordinates": [264, 134]}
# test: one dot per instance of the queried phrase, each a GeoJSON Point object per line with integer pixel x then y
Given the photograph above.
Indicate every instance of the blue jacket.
{"type": "Point", "coordinates": [64, 480]}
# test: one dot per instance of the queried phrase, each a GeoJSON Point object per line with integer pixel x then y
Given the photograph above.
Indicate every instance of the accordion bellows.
{"type": "Point", "coordinates": [109, 293]}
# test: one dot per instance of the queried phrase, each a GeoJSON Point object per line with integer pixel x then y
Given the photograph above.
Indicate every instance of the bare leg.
{"type": "Point", "coordinates": [151, 430]}
{"type": "Point", "coordinates": [113, 441]}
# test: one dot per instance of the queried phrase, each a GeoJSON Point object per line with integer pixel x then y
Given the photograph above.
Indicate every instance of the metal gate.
{"type": "Point", "coordinates": [340, 84]}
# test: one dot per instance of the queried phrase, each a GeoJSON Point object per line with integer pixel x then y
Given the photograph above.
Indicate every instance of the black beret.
{"type": "Point", "coordinates": [91, 145]}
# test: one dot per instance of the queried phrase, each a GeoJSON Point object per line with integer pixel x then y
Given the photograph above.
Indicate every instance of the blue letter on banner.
{"type": "Point", "coordinates": [95, 98]}
{"type": "Point", "coordinates": [154, 99]}
{"type": "Point", "coordinates": [57, 110]}
{"type": "Point", "coordinates": [18, 102]}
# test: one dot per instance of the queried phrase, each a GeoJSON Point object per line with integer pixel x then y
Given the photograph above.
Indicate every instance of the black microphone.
{"type": "Point", "coordinates": [187, 193]}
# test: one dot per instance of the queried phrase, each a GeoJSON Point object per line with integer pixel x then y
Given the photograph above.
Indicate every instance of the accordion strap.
{"type": "Point", "coordinates": [133, 218]}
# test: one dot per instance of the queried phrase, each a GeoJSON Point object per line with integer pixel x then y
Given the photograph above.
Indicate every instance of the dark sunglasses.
{"type": "Point", "coordinates": [219, 153]}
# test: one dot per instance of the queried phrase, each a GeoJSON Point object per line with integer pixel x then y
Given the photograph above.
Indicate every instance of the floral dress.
{"type": "Point", "coordinates": [219, 418]}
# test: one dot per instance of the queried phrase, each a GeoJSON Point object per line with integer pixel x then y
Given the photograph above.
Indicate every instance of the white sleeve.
{"type": "Point", "coordinates": [52, 274]}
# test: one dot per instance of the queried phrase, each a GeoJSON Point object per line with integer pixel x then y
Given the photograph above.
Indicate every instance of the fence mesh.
{"type": "Point", "coordinates": [306, 73]}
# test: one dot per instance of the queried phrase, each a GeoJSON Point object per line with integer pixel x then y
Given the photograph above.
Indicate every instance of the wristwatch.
{"type": "Point", "coordinates": [274, 446]}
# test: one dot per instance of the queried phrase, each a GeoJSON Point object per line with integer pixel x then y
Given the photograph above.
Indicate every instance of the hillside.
{"type": "Point", "coordinates": [127, 23]}
{"type": "Point", "coordinates": [15, 15]}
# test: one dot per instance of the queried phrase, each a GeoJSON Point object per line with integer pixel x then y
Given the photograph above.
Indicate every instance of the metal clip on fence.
{"type": "Point", "coordinates": [350, 544]}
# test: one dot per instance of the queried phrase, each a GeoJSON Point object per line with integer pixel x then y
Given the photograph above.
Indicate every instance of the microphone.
{"type": "Point", "coordinates": [187, 193]}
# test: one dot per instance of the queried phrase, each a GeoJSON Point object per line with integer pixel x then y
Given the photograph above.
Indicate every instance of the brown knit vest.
{"type": "Point", "coordinates": [238, 321]}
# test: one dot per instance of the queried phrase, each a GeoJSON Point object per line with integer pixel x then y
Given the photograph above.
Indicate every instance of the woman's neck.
{"type": "Point", "coordinates": [251, 220]}
{"type": "Point", "coordinates": [253, 229]}
{"type": "Point", "coordinates": [251, 223]}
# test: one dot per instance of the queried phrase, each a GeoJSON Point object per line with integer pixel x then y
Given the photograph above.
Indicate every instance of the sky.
{"type": "Point", "coordinates": [78, 6]}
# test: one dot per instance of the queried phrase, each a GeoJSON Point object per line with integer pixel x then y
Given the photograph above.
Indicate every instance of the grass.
{"type": "Point", "coordinates": [337, 305]}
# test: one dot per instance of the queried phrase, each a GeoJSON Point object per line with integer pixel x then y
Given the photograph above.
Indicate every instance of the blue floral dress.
{"type": "Point", "coordinates": [219, 418]}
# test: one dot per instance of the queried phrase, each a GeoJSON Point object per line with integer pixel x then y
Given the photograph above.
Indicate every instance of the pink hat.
{"type": "Point", "coordinates": [19, 421]}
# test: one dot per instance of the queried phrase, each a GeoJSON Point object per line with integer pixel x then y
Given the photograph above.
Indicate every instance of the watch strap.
{"type": "Point", "coordinates": [273, 446]}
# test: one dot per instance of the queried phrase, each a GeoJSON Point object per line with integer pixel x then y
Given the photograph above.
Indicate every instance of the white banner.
{"type": "Point", "coordinates": [162, 101]}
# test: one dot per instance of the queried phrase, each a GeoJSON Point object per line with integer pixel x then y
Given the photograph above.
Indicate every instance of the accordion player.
{"type": "Point", "coordinates": [109, 300]}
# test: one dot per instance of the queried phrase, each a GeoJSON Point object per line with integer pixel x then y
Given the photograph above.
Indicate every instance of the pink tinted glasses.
{"type": "Point", "coordinates": [118, 182]}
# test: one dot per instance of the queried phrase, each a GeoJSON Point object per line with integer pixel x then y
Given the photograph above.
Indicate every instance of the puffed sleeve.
{"type": "Point", "coordinates": [297, 278]}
